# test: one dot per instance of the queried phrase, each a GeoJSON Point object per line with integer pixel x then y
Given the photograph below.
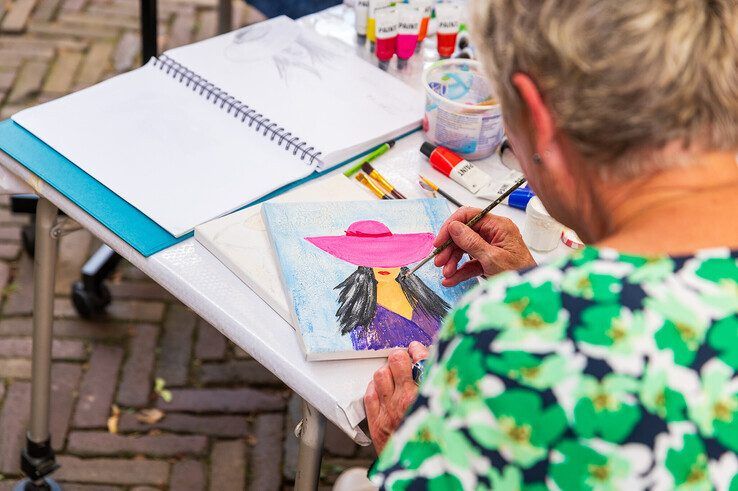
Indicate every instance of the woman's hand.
{"type": "Point", "coordinates": [495, 246]}
{"type": "Point", "coordinates": [391, 393]}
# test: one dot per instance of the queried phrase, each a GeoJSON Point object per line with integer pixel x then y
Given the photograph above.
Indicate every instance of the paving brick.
{"type": "Point", "coordinates": [87, 18]}
{"type": "Point", "coordinates": [266, 456]}
{"type": "Point", "coordinates": [126, 52]}
{"type": "Point", "coordinates": [211, 344]}
{"type": "Point", "coordinates": [228, 465]}
{"type": "Point", "coordinates": [17, 17]}
{"type": "Point", "coordinates": [187, 475]}
{"type": "Point", "coordinates": [7, 216]}
{"type": "Point", "coordinates": [88, 487]}
{"type": "Point", "coordinates": [135, 384]}
{"type": "Point", "coordinates": [244, 400]}
{"type": "Point", "coordinates": [61, 349]}
{"type": "Point", "coordinates": [45, 10]}
{"type": "Point", "coordinates": [145, 488]}
{"type": "Point", "coordinates": [9, 251]}
{"type": "Point", "coordinates": [207, 26]}
{"type": "Point", "coordinates": [6, 82]}
{"type": "Point", "coordinates": [19, 368]}
{"type": "Point", "coordinates": [73, 5]}
{"type": "Point", "coordinates": [13, 421]}
{"type": "Point", "coordinates": [240, 354]}
{"type": "Point", "coordinates": [176, 346]}
{"type": "Point", "coordinates": [29, 81]}
{"type": "Point", "coordinates": [237, 371]}
{"type": "Point", "coordinates": [10, 233]}
{"type": "Point", "coordinates": [2, 390]}
{"type": "Point", "coordinates": [69, 328]}
{"type": "Point", "coordinates": [291, 444]}
{"type": "Point", "coordinates": [96, 63]}
{"type": "Point", "coordinates": [131, 310]}
{"type": "Point", "coordinates": [142, 290]}
{"type": "Point", "coordinates": [113, 471]}
{"type": "Point", "coordinates": [98, 387]}
{"type": "Point", "coordinates": [181, 30]}
{"type": "Point", "coordinates": [71, 30]}
{"type": "Point", "coordinates": [4, 275]}
{"type": "Point", "coordinates": [73, 248]}
{"type": "Point", "coordinates": [102, 443]}
{"type": "Point", "coordinates": [20, 296]}
{"type": "Point", "coordinates": [33, 47]}
{"type": "Point", "coordinates": [220, 426]}
{"type": "Point", "coordinates": [62, 73]}
{"type": "Point", "coordinates": [64, 382]}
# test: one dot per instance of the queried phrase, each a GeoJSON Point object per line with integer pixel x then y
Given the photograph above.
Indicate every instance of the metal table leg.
{"type": "Point", "coordinates": [148, 30]}
{"type": "Point", "coordinates": [37, 460]}
{"type": "Point", "coordinates": [311, 432]}
{"type": "Point", "coordinates": [225, 16]}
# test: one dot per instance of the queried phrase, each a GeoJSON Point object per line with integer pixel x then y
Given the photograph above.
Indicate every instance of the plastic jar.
{"type": "Point", "coordinates": [541, 232]}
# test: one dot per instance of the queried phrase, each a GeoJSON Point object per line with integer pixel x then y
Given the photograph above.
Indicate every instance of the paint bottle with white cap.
{"type": "Point", "coordinates": [541, 232]}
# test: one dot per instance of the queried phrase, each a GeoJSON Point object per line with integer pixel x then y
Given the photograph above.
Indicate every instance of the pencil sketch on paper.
{"type": "Point", "coordinates": [379, 305]}
{"type": "Point", "coordinates": [293, 53]}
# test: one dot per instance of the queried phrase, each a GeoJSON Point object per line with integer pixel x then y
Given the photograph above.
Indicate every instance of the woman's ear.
{"type": "Point", "coordinates": [538, 115]}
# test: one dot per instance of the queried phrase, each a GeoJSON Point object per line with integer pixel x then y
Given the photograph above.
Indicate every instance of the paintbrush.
{"type": "Point", "coordinates": [371, 186]}
{"type": "Point", "coordinates": [429, 185]}
{"type": "Point", "coordinates": [374, 174]}
{"type": "Point", "coordinates": [469, 224]}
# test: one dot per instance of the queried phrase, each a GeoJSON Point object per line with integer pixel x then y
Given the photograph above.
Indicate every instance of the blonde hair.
{"type": "Point", "coordinates": [623, 78]}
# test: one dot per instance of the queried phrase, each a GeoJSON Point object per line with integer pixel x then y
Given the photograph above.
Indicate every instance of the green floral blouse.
{"type": "Point", "coordinates": [602, 371]}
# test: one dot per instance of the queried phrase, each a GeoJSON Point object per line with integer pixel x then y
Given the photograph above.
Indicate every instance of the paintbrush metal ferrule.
{"type": "Point", "coordinates": [374, 174]}
{"type": "Point", "coordinates": [469, 224]}
{"type": "Point", "coordinates": [362, 178]}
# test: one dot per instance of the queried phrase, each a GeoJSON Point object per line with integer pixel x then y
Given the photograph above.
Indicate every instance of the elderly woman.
{"type": "Point", "coordinates": [614, 368]}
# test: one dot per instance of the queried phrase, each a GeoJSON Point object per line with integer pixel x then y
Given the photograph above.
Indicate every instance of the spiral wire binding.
{"type": "Point", "coordinates": [238, 109]}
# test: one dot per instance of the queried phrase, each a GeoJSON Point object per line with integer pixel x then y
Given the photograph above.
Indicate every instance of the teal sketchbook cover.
{"type": "Point", "coordinates": [124, 220]}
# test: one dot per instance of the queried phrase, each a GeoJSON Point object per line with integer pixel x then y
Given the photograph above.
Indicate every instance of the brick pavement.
{"type": "Point", "coordinates": [229, 423]}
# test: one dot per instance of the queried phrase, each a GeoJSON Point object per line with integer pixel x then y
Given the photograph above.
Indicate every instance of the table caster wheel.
{"type": "Point", "coordinates": [90, 303]}
{"type": "Point", "coordinates": [48, 485]}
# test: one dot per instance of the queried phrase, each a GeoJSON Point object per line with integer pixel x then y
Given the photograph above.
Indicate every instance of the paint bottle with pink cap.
{"type": "Point", "coordinates": [408, 28]}
{"type": "Point", "coordinates": [386, 35]}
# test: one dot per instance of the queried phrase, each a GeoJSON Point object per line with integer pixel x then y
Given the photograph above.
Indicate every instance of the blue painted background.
{"type": "Point", "coordinates": [311, 274]}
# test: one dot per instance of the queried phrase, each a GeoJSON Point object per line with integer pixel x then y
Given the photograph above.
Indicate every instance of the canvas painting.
{"type": "Point", "coordinates": [344, 270]}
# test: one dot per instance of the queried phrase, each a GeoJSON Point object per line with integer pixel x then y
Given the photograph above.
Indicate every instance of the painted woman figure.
{"type": "Point", "coordinates": [380, 306]}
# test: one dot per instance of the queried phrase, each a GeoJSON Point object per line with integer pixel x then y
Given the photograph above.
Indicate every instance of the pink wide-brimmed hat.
{"type": "Point", "coordinates": [372, 244]}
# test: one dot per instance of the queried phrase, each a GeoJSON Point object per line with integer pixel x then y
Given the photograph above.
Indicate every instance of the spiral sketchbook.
{"type": "Point", "coordinates": [208, 128]}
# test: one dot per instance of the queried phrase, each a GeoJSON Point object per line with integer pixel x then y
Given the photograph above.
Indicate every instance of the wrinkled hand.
{"type": "Point", "coordinates": [391, 393]}
{"type": "Point", "coordinates": [494, 246]}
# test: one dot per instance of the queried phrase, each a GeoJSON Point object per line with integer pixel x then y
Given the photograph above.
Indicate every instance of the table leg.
{"type": "Point", "coordinates": [37, 460]}
{"type": "Point", "coordinates": [312, 431]}
{"type": "Point", "coordinates": [149, 28]}
{"type": "Point", "coordinates": [225, 16]}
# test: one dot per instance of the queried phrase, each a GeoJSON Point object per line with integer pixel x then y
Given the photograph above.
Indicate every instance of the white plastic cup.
{"type": "Point", "coordinates": [454, 117]}
{"type": "Point", "coordinates": [541, 232]}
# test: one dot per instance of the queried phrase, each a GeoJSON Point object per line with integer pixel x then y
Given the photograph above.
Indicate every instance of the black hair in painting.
{"type": "Point", "coordinates": [357, 298]}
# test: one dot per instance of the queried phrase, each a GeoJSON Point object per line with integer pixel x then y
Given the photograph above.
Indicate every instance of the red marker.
{"type": "Point", "coordinates": [448, 16]}
{"type": "Point", "coordinates": [462, 171]}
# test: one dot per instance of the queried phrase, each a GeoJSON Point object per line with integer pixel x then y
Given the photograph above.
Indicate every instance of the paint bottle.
{"type": "Point", "coordinates": [371, 21]}
{"type": "Point", "coordinates": [426, 8]}
{"type": "Point", "coordinates": [408, 27]}
{"type": "Point", "coordinates": [386, 35]}
{"type": "Point", "coordinates": [448, 16]}
{"type": "Point", "coordinates": [361, 13]}
{"type": "Point", "coordinates": [459, 170]}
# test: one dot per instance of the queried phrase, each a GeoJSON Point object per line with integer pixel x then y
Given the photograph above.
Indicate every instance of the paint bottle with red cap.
{"type": "Point", "coordinates": [448, 16]}
{"type": "Point", "coordinates": [462, 171]}
{"type": "Point", "coordinates": [386, 35]}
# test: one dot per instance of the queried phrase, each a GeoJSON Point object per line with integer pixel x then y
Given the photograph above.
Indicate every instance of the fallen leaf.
{"type": "Point", "coordinates": [150, 416]}
{"type": "Point", "coordinates": [159, 388]}
{"type": "Point", "coordinates": [113, 419]}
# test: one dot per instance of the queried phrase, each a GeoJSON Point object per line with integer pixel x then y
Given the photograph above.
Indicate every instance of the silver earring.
{"type": "Point", "coordinates": [537, 158]}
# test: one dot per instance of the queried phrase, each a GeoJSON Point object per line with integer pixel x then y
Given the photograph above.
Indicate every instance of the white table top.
{"type": "Point", "coordinates": [200, 281]}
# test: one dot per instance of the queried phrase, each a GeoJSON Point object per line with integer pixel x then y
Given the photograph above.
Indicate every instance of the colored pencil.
{"type": "Point", "coordinates": [383, 148]}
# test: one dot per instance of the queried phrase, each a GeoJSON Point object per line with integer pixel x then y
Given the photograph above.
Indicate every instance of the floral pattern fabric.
{"type": "Point", "coordinates": [601, 371]}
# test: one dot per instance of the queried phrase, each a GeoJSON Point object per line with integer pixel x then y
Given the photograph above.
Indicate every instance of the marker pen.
{"type": "Point", "coordinates": [361, 12]}
{"type": "Point", "coordinates": [426, 8]}
{"type": "Point", "coordinates": [386, 34]}
{"type": "Point", "coordinates": [407, 32]}
{"type": "Point", "coordinates": [371, 22]}
{"type": "Point", "coordinates": [448, 16]}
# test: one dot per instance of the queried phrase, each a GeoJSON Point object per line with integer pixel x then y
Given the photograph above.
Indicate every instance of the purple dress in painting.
{"type": "Point", "coordinates": [391, 330]}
